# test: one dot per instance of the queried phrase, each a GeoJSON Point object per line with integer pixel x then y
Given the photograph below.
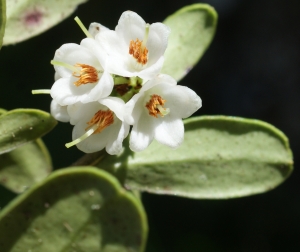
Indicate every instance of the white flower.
{"type": "Point", "coordinates": [98, 125]}
{"type": "Point", "coordinates": [81, 71]}
{"type": "Point", "coordinates": [135, 48]}
{"type": "Point", "coordinates": [156, 112]}
{"type": "Point", "coordinates": [60, 113]}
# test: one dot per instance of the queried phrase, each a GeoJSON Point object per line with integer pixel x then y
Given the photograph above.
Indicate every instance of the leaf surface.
{"type": "Point", "coordinates": [24, 166]}
{"type": "Point", "coordinates": [192, 30]}
{"type": "Point", "coordinates": [20, 126]}
{"type": "Point", "coordinates": [221, 157]}
{"type": "Point", "coordinates": [28, 18]}
{"type": "Point", "coordinates": [74, 209]}
{"type": "Point", "coordinates": [2, 20]}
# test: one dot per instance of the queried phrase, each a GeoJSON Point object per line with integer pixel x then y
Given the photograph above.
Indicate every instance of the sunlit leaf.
{"type": "Point", "coordinates": [221, 157]}
{"type": "Point", "coordinates": [192, 30]}
{"type": "Point", "coordinates": [76, 209]}
{"type": "Point", "coordinates": [20, 126]}
{"type": "Point", "coordinates": [28, 18]}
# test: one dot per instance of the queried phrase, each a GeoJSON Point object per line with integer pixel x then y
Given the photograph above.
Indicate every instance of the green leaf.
{"type": "Point", "coordinates": [20, 126]}
{"type": "Point", "coordinates": [28, 18]}
{"type": "Point", "coordinates": [75, 209]}
{"type": "Point", "coordinates": [2, 20]}
{"type": "Point", "coordinates": [23, 167]}
{"type": "Point", "coordinates": [2, 111]}
{"type": "Point", "coordinates": [221, 157]}
{"type": "Point", "coordinates": [192, 30]}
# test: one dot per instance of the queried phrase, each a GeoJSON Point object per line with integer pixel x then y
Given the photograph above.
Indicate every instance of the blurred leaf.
{"type": "Point", "coordinates": [20, 126]}
{"type": "Point", "coordinates": [192, 30]}
{"type": "Point", "coordinates": [28, 18]}
{"type": "Point", "coordinates": [2, 111]}
{"type": "Point", "coordinates": [23, 167]}
{"type": "Point", "coordinates": [2, 20]}
{"type": "Point", "coordinates": [76, 209]}
{"type": "Point", "coordinates": [221, 157]}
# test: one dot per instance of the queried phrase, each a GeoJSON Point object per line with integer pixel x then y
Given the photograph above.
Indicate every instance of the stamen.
{"type": "Point", "coordinates": [102, 119]}
{"type": "Point", "coordinates": [138, 48]}
{"type": "Point", "coordinates": [87, 74]}
{"type": "Point", "coordinates": [85, 31]}
{"type": "Point", "coordinates": [155, 106]}
{"type": "Point", "coordinates": [41, 91]}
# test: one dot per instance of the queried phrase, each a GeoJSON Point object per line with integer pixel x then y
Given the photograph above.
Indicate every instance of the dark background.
{"type": "Point", "coordinates": [250, 70]}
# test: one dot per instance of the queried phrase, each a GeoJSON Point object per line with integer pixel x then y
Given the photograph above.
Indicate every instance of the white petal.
{"type": "Point", "coordinates": [73, 54]}
{"type": "Point", "coordinates": [56, 76]}
{"type": "Point", "coordinates": [111, 43]}
{"type": "Point", "coordinates": [97, 50]}
{"type": "Point", "coordinates": [159, 79]}
{"type": "Point", "coordinates": [157, 41]}
{"type": "Point", "coordinates": [117, 135]}
{"type": "Point", "coordinates": [111, 137]}
{"type": "Point", "coordinates": [100, 90]}
{"type": "Point", "coordinates": [130, 27]}
{"type": "Point", "coordinates": [134, 104]}
{"type": "Point", "coordinates": [66, 93]}
{"type": "Point", "coordinates": [95, 28]}
{"type": "Point", "coordinates": [181, 100]}
{"type": "Point", "coordinates": [142, 133]}
{"type": "Point", "coordinates": [59, 112]}
{"type": "Point", "coordinates": [83, 112]}
{"type": "Point", "coordinates": [170, 131]}
{"type": "Point", "coordinates": [118, 61]}
{"type": "Point", "coordinates": [93, 143]}
{"type": "Point", "coordinates": [151, 71]}
{"type": "Point", "coordinates": [116, 105]}
{"type": "Point", "coordinates": [117, 64]}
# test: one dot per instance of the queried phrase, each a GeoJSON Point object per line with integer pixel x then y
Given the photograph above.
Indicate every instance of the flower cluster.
{"type": "Point", "coordinates": [112, 81]}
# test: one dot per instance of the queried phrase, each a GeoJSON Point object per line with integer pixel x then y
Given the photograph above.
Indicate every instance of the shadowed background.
{"type": "Point", "coordinates": [250, 70]}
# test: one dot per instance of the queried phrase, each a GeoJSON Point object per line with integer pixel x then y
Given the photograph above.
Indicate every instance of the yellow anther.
{"type": "Point", "coordinates": [87, 74]}
{"type": "Point", "coordinates": [155, 106]}
{"type": "Point", "coordinates": [102, 119]}
{"type": "Point", "coordinates": [138, 51]}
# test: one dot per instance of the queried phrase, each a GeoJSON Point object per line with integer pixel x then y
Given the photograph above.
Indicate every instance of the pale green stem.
{"type": "Point", "coordinates": [41, 91]}
{"type": "Point", "coordinates": [85, 31]}
{"type": "Point", "coordinates": [83, 137]}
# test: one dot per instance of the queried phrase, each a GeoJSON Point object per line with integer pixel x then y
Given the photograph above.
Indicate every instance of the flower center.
{"type": "Point", "coordinates": [138, 51]}
{"type": "Point", "coordinates": [155, 106]}
{"type": "Point", "coordinates": [138, 48]}
{"type": "Point", "coordinates": [87, 74]}
{"type": "Point", "coordinates": [101, 120]}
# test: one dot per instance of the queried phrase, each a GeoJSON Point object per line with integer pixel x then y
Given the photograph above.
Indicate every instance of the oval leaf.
{"type": "Point", "coordinates": [221, 157]}
{"type": "Point", "coordinates": [23, 167]}
{"type": "Point", "coordinates": [192, 30]}
{"type": "Point", "coordinates": [75, 209]}
{"type": "Point", "coordinates": [20, 126]}
{"type": "Point", "coordinates": [28, 18]}
{"type": "Point", "coordinates": [2, 20]}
